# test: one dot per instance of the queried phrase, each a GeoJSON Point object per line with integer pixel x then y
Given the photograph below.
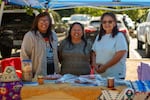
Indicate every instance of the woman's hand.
{"type": "Point", "coordinates": [100, 68]}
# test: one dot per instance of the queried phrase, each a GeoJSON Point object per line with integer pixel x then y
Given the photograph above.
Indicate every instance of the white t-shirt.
{"type": "Point", "coordinates": [106, 48]}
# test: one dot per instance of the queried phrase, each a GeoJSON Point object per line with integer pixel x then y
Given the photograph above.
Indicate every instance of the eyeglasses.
{"type": "Point", "coordinates": [109, 22]}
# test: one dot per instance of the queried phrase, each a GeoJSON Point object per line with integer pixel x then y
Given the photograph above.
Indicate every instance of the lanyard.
{"type": "Point", "coordinates": [47, 40]}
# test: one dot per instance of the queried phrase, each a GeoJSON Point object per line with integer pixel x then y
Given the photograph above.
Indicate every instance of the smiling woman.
{"type": "Point", "coordinates": [110, 49]}
{"type": "Point", "coordinates": [74, 52]}
{"type": "Point", "coordinates": [40, 45]}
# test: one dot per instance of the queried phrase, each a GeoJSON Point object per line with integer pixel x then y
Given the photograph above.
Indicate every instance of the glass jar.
{"type": "Point", "coordinates": [27, 70]}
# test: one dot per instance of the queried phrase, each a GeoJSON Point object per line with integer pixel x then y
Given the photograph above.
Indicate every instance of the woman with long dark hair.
{"type": "Point", "coordinates": [110, 49]}
{"type": "Point", "coordinates": [74, 52]}
{"type": "Point", "coordinates": [40, 46]}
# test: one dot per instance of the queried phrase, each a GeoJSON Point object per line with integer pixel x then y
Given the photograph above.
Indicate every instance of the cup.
{"type": "Point", "coordinates": [40, 80]}
{"type": "Point", "coordinates": [110, 82]}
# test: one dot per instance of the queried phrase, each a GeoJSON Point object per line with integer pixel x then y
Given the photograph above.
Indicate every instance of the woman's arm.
{"type": "Point", "coordinates": [60, 48]}
{"type": "Point", "coordinates": [93, 59]}
{"type": "Point", "coordinates": [27, 46]}
{"type": "Point", "coordinates": [59, 56]}
{"type": "Point", "coordinates": [113, 61]}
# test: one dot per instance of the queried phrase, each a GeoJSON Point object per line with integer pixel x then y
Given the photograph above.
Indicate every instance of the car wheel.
{"type": "Point", "coordinates": [5, 52]}
{"type": "Point", "coordinates": [6, 45]}
{"type": "Point", "coordinates": [140, 45]}
{"type": "Point", "coordinates": [147, 50]}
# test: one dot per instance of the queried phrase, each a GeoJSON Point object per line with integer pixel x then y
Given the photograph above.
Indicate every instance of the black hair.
{"type": "Point", "coordinates": [83, 37]}
{"type": "Point", "coordinates": [115, 29]}
{"type": "Point", "coordinates": [35, 24]}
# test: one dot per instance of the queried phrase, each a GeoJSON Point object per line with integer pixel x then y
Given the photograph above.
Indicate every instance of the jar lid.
{"type": "Point", "coordinates": [110, 77]}
{"type": "Point", "coordinates": [27, 60]}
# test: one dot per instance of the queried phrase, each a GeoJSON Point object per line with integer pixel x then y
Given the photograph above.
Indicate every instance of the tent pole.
{"type": "Point", "coordinates": [1, 11]}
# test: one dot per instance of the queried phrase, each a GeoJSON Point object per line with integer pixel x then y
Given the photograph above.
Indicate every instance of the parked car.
{"type": "Point", "coordinates": [82, 18]}
{"type": "Point", "coordinates": [65, 19]}
{"type": "Point", "coordinates": [92, 29]}
{"type": "Point", "coordinates": [14, 24]}
{"type": "Point", "coordinates": [124, 30]}
{"type": "Point", "coordinates": [129, 24]}
{"type": "Point", "coordinates": [61, 27]}
{"type": "Point", "coordinates": [143, 34]}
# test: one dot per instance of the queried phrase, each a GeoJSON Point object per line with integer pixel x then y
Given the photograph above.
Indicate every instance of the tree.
{"type": "Point", "coordinates": [90, 11]}
{"type": "Point", "coordinates": [136, 14]}
{"type": "Point", "coordinates": [55, 15]}
{"type": "Point", "coordinates": [65, 12]}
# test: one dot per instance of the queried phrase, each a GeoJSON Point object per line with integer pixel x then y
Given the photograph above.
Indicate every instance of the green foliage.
{"type": "Point", "coordinates": [29, 11]}
{"type": "Point", "coordinates": [55, 15]}
{"type": "Point", "coordinates": [65, 12]}
{"type": "Point", "coordinates": [90, 11]}
{"type": "Point", "coordinates": [135, 14]}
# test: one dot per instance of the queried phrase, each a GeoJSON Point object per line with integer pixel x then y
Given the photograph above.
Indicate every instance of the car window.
{"type": "Point", "coordinates": [14, 19]}
{"type": "Point", "coordinates": [79, 18]}
{"type": "Point", "coordinates": [119, 24]}
{"type": "Point", "coordinates": [95, 23]}
{"type": "Point", "coordinates": [19, 23]}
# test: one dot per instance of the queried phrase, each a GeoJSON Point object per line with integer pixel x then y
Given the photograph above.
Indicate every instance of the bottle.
{"type": "Point", "coordinates": [27, 70]}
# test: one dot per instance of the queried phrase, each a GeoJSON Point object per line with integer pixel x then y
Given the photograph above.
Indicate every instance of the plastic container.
{"type": "Point", "coordinates": [27, 70]}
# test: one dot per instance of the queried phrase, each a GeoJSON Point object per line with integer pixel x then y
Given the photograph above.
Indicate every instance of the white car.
{"type": "Point", "coordinates": [81, 18]}
{"type": "Point", "coordinates": [143, 35]}
{"type": "Point", "coordinates": [65, 19]}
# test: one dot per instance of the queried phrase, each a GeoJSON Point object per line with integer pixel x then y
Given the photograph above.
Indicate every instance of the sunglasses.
{"type": "Point", "coordinates": [109, 22]}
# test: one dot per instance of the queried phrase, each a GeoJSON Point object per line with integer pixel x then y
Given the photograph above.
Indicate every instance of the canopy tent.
{"type": "Point", "coordinates": [63, 4]}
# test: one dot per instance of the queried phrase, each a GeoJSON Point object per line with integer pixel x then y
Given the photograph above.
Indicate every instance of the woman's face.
{"type": "Point", "coordinates": [76, 32]}
{"type": "Point", "coordinates": [108, 24]}
{"type": "Point", "coordinates": [43, 24]}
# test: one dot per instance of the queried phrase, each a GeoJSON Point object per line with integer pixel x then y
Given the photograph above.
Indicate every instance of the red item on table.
{"type": "Point", "coordinates": [92, 70]}
{"type": "Point", "coordinates": [19, 73]}
{"type": "Point", "coordinates": [13, 61]}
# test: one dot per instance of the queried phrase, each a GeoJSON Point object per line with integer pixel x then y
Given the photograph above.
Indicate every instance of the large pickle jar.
{"type": "Point", "coordinates": [27, 70]}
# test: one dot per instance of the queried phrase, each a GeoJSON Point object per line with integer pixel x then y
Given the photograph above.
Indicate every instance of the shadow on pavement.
{"type": "Point", "coordinates": [141, 53]}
